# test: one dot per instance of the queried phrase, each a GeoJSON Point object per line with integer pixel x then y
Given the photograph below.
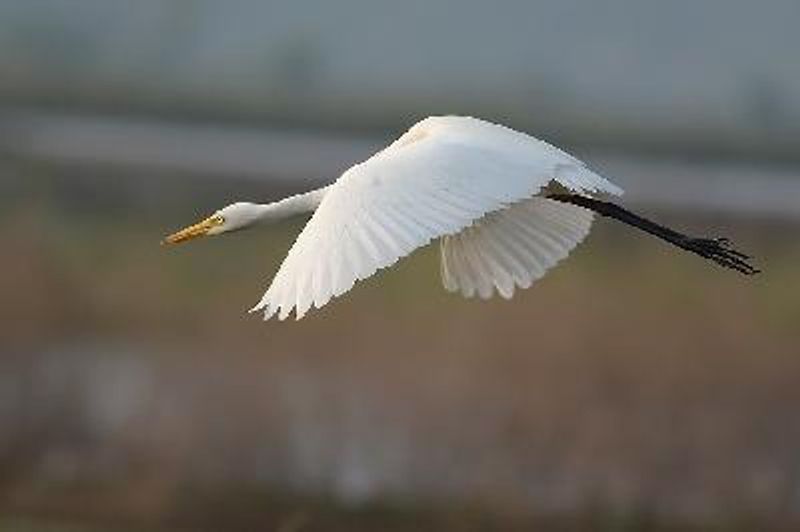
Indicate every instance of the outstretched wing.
{"type": "Point", "coordinates": [439, 178]}
{"type": "Point", "coordinates": [512, 247]}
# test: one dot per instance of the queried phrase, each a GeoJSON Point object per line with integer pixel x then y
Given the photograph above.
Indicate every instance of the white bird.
{"type": "Point", "coordinates": [505, 206]}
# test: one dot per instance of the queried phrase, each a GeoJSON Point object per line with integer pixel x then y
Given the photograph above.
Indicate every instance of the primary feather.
{"type": "Point", "coordinates": [470, 181]}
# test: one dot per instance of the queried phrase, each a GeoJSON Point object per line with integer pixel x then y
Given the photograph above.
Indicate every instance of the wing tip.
{"type": "Point", "coordinates": [265, 308]}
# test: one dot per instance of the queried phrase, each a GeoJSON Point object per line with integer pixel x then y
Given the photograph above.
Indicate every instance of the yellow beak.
{"type": "Point", "coordinates": [193, 231]}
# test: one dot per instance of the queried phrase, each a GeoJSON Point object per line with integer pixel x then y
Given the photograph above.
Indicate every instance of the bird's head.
{"type": "Point", "coordinates": [231, 218]}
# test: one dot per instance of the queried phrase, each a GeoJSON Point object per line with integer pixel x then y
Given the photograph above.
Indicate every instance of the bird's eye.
{"type": "Point", "coordinates": [219, 219]}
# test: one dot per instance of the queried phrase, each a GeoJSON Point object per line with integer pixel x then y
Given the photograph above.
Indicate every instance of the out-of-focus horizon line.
{"type": "Point", "coordinates": [306, 158]}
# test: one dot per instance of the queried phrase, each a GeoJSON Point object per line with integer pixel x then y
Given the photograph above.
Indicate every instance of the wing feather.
{"type": "Point", "coordinates": [522, 241]}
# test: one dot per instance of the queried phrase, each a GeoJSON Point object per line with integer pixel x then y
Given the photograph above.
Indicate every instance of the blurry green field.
{"type": "Point", "coordinates": [634, 388]}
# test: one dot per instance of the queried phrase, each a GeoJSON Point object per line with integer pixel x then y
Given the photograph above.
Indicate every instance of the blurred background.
{"type": "Point", "coordinates": [634, 388]}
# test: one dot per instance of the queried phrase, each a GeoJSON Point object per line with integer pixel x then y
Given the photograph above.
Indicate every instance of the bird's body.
{"type": "Point", "coordinates": [505, 205]}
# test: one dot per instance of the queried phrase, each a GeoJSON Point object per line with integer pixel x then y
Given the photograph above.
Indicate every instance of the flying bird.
{"type": "Point", "coordinates": [504, 205]}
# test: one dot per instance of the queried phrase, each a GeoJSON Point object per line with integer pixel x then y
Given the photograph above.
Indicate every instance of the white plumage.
{"type": "Point", "coordinates": [511, 247]}
{"type": "Point", "coordinates": [472, 182]}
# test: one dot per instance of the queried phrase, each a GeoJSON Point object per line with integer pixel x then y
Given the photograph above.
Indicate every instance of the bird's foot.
{"type": "Point", "coordinates": [721, 251]}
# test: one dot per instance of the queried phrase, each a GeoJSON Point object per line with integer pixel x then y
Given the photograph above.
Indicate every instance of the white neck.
{"type": "Point", "coordinates": [291, 206]}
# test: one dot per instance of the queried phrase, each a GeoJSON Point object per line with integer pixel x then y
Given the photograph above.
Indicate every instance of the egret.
{"type": "Point", "coordinates": [505, 205]}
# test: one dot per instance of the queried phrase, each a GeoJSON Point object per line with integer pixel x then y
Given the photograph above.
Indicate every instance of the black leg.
{"type": "Point", "coordinates": [719, 250]}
